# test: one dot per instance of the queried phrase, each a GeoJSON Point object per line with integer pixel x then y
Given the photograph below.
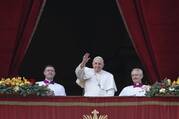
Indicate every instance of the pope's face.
{"type": "Point", "coordinates": [49, 73]}
{"type": "Point", "coordinates": [98, 65]}
{"type": "Point", "coordinates": [136, 76]}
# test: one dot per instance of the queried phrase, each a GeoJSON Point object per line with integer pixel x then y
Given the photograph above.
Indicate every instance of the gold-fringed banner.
{"type": "Point", "coordinates": [89, 108]}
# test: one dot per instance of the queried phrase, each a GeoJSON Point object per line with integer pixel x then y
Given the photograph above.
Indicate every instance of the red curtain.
{"type": "Point", "coordinates": [153, 26]}
{"type": "Point", "coordinates": [18, 21]}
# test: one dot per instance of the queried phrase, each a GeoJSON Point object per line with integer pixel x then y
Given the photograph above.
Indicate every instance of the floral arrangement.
{"type": "Point", "coordinates": [164, 88]}
{"type": "Point", "coordinates": [20, 86]}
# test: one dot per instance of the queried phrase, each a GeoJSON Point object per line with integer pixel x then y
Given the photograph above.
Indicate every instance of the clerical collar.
{"type": "Point", "coordinates": [48, 81]}
{"type": "Point", "coordinates": [137, 85]}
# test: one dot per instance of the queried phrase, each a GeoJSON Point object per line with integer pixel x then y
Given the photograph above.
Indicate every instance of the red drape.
{"type": "Point", "coordinates": [76, 107]}
{"type": "Point", "coordinates": [17, 24]}
{"type": "Point", "coordinates": [153, 26]}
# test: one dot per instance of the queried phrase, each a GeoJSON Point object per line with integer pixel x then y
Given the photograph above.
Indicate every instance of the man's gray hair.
{"type": "Point", "coordinates": [138, 69]}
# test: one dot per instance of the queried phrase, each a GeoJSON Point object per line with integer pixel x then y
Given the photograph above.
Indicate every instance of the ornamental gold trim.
{"type": "Point", "coordinates": [95, 115]}
{"type": "Point", "coordinates": [89, 104]}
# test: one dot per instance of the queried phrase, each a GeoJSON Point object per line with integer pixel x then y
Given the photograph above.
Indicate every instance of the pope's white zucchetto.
{"type": "Point", "coordinates": [98, 58]}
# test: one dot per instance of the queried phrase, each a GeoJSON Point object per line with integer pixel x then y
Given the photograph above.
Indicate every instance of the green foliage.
{"type": "Point", "coordinates": [163, 88]}
{"type": "Point", "coordinates": [25, 90]}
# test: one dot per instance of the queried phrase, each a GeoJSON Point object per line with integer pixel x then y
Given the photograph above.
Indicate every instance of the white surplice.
{"type": "Point", "coordinates": [133, 91]}
{"type": "Point", "coordinates": [58, 89]}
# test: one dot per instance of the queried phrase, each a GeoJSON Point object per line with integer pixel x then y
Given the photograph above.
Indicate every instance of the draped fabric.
{"type": "Point", "coordinates": [78, 107]}
{"type": "Point", "coordinates": [18, 21]}
{"type": "Point", "coordinates": [153, 27]}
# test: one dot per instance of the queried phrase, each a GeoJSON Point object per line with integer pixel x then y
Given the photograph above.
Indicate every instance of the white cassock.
{"type": "Point", "coordinates": [58, 89]}
{"type": "Point", "coordinates": [95, 84]}
{"type": "Point", "coordinates": [134, 91]}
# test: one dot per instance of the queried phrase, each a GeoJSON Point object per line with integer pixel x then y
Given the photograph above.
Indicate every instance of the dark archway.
{"type": "Point", "coordinates": [68, 29]}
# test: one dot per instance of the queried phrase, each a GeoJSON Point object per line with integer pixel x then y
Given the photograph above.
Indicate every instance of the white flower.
{"type": "Point", "coordinates": [169, 81]}
{"type": "Point", "coordinates": [171, 89]}
{"type": "Point", "coordinates": [16, 88]}
{"type": "Point", "coordinates": [162, 90]}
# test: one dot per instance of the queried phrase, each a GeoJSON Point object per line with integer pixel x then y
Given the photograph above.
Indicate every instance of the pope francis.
{"type": "Point", "coordinates": [95, 81]}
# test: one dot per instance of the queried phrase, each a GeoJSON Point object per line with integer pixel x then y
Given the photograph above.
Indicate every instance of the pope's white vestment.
{"type": "Point", "coordinates": [95, 84]}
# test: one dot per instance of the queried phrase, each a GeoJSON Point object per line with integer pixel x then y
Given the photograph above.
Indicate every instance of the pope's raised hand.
{"type": "Point", "coordinates": [85, 59]}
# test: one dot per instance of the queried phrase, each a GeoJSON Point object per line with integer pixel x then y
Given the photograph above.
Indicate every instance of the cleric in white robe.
{"type": "Point", "coordinates": [57, 89]}
{"type": "Point", "coordinates": [137, 89]}
{"type": "Point", "coordinates": [95, 81]}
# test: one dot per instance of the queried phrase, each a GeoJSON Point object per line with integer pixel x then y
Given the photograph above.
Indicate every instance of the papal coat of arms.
{"type": "Point", "coordinates": [95, 115]}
